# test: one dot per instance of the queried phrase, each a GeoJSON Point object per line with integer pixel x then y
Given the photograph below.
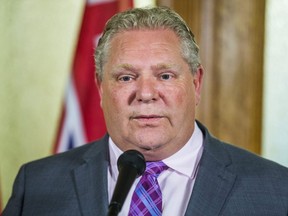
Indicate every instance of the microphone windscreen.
{"type": "Point", "coordinates": [133, 159]}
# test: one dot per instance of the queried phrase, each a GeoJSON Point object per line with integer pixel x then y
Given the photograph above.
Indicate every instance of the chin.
{"type": "Point", "coordinates": [148, 141]}
{"type": "Point", "coordinates": [155, 154]}
{"type": "Point", "coordinates": [150, 147]}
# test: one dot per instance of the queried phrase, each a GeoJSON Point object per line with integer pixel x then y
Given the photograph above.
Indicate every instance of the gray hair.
{"type": "Point", "coordinates": [148, 18]}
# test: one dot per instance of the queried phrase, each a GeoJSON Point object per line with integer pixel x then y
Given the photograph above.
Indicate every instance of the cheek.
{"type": "Point", "coordinates": [114, 100]}
{"type": "Point", "coordinates": [111, 109]}
{"type": "Point", "coordinates": [109, 99]}
{"type": "Point", "coordinates": [181, 96]}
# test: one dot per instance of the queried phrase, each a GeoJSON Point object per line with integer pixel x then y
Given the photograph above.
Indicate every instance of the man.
{"type": "Point", "coordinates": [149, 77]}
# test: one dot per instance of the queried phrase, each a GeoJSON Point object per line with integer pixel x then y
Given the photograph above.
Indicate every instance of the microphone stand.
{"type": "Point", "coordinates": [131, 164]}
{"type": "Point", "coordinates": [125, 180]}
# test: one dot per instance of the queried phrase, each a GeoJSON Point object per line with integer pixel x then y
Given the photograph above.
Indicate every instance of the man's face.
{"type": "Point", "coordinates": [148, 93]}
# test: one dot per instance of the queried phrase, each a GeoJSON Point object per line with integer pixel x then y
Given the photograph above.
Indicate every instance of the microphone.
{"type": "Point", "coordinates": [131, 164]}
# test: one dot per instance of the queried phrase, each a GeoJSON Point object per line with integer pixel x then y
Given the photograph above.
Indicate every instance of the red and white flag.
{"type": "Point", "coordinates": [82, 118]}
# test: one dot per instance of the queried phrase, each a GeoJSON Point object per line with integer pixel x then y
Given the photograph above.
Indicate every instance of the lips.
{"type": "Point", "coordinates": [148, 119]}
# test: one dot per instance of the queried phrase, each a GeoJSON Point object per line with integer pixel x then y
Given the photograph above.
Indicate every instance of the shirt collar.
{"type": "Point", "coordinates": [186, 160]}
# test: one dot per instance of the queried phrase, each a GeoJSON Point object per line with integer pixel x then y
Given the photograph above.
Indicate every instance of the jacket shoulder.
{"type": "Point", "coordinates": [239, 160]}
{"type": "Point", "coordinates": [69, 158]}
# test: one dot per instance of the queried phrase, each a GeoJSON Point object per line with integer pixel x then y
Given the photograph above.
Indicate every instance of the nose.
{"type": "Point", "coordinates": [147, 91]}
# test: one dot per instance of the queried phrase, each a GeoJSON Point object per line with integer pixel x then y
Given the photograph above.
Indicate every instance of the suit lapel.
{"type": "Point", "coordinates": [90, 179]}
{"type": "Point", "coordinates": [214, 180]}
{"type": "Point", "coordinates": [211, 189]}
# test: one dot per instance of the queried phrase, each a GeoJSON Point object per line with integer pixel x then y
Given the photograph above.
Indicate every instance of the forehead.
{"type": "Point", "coordinates": [146, 35]}
{"type": "Point", "coordinates": [145, 42]}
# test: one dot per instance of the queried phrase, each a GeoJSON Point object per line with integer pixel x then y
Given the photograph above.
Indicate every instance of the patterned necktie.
{"type": "Point", "coordinates": [147, 197]}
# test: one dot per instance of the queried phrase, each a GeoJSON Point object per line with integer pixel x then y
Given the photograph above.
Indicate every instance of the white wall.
{"type": "Point", "coordinates": [275, 115]}
{"type": "Point", "coordinates": [37, 42]}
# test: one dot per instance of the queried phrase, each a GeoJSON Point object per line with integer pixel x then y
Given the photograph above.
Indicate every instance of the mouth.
{"type": "Point", "coordinates": [148, 119]}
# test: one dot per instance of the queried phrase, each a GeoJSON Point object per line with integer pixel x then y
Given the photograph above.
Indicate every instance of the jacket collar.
{"type": "Point", "coordinates": [214, 180]}
{"type": "Point", "coordinates": [90, 179]}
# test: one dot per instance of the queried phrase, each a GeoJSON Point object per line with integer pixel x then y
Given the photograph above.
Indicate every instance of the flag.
{"type": "Point", "coordinates": [81, 117]}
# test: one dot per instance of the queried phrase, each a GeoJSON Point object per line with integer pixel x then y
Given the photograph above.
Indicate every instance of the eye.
{"type": "Point", "coordinates": [125, 78]}
{"type": "Point", "coordinates": [166, 76]}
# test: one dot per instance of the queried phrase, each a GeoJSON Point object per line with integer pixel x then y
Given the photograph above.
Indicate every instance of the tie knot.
{"type": "Point", "coordinates": [155, 168]}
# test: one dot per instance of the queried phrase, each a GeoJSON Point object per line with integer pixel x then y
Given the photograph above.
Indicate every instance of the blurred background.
{"type": "Point", "coordinates": [243, 49]}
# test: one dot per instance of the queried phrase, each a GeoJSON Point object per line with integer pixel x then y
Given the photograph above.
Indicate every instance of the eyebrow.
{"type": "Point", "coordinates": [165, 66]}
{"type": "Point", "coordinates": [127, 66]}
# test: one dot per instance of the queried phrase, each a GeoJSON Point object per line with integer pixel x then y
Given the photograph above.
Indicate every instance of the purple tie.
{"type": "Point", "coordinates": [147, 197]}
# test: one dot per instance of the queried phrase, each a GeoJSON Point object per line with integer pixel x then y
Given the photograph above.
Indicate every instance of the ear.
{"type": "Point", "coordinates": [99, 87]}
{"type": "Point", "coordinates": [198, 82]}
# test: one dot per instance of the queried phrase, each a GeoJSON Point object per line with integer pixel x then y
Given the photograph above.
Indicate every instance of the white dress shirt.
{"type": "Point", "coordinates": [176, 182]}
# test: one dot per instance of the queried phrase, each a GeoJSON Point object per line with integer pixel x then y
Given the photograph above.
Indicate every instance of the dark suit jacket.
{"type": "Point", "coordinates": [230, 182]}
